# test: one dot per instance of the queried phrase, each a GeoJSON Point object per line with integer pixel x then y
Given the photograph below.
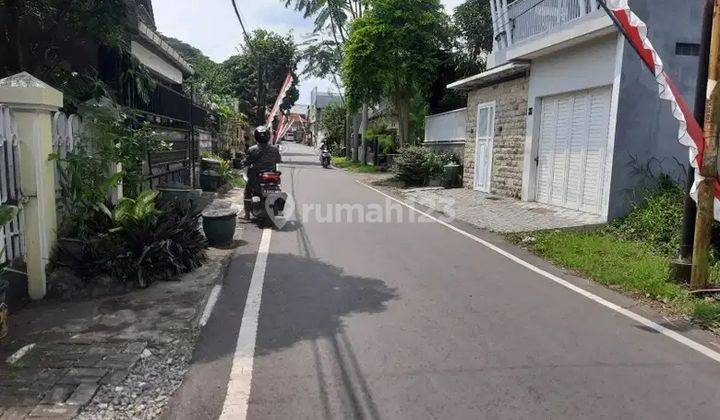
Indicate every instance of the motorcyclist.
{"type": "Point", "coordinates": [262, 157]}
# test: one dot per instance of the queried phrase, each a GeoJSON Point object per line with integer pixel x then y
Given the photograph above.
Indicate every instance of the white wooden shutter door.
{"type": "Point", "coordinates": [572, 149]}
{"type": "Point", "coordinates": [560, 152]}
{"type": "Point", "coordinates": [596, 150]}
{"type": "Point", "coordinates": [546, 146]}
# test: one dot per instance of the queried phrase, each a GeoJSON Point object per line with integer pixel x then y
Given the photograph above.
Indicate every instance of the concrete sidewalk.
{"type": "Point", "coordinates": [118, 356]}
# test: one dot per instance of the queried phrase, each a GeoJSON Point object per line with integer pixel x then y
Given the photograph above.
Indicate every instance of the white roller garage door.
{"type": "Point", "coordinates": [573, 149]}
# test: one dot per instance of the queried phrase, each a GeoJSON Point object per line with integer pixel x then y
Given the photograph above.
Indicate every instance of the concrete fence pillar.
{"type": "Point", "coordinates": [33, 103]}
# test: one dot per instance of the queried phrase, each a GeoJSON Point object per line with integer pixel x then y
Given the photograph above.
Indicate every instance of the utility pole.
{"type": "Point", "coordinates": [708, 169]}
{"type": "Point", "coordinates": [682, 267]}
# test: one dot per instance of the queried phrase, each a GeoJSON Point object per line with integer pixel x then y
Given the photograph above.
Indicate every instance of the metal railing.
{"type": "Point", "coordinates": [529, 18]}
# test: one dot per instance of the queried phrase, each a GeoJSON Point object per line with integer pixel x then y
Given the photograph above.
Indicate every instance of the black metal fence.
{"type": "Point", "coordinates": [170, 108]}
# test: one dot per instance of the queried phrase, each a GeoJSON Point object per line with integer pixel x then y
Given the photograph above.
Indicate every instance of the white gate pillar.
{"type": "Point", "coordinates": [33, 103]}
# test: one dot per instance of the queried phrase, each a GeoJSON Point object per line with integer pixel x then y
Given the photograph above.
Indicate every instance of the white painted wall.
{"type": "Point", "coordinates": [584, 66]}
{"type": "Point", "coordinates": [155, 63]}
{"type": "Point", "coordinates": [448, 126]}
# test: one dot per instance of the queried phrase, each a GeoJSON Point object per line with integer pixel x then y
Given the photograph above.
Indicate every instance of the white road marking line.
{"type": "Point", "coordinates": [210, 305]}
{"type": "Point", "coordinates": [15, 357]}
{"type": "Point", "coordinates": [238, 392]}
{"type": "Point", "coordinates": [632, 315]}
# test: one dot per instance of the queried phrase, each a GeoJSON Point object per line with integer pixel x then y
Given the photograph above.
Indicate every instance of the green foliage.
{"type": "Point", "coordinates": [269, 59]}
{"type": "Point", "coordinates": [411, 166]}
{"type": "Point", "coordinates": [151, 245]}
{"type": "Point", "coordinates": [37, 35]}
{"type": "Point", "coordinates": [85, 183]}
{"type": "Point", "coordinates": [129, 212]}
{"type": "Point", "coordinates": [623, 264]}
{"type": "Point", "coordinates": [435, 163]}
{"type": "Point", "coordinates": [656, 221]}
{"type": "Point", "coordinates": [474, 23]}
{"type": "Point", "coordinates": [387, 143]}
{"type": "Point", "coordinates": [416, 165]}
{"type": "Point", "coordinates": [707, 313]}
{"type": "Point", "coordinates": [610, 261]}
{"type": "Point", "coordinates": [137, 243]}
{"type": "Point", "coordinates": [86, 178]}
{"type": "Point", "coordinates": [333, 123]}
{"type": "Point", "coordinates": [391, 53]}
{"type": "Point", "coordinates": [348, 164]}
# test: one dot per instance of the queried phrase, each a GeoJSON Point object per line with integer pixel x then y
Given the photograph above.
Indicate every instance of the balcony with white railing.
{"type": "Point", "coordinates": [517, 22]}
{"type": "Point", "coordinates": [533, 17]}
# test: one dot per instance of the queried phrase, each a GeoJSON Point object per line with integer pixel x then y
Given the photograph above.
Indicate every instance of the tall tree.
{"type": "Point", "coordinates": [391, 53]}
{"type": "Point", "coordinates": [36, 34]}
{"type": "Point", "coordinates": [474, 25]}
{"type": "Point", "coordinates": [210, 78]}
{"type": "Point", "coordinates": [256, 75]}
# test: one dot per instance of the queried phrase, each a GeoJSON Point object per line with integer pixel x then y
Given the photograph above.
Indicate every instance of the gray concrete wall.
{"type": "Point", "coordinates": [646, 131]}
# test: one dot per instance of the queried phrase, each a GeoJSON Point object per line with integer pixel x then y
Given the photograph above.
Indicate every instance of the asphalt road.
{"type": "Point", "coordinates": [409, 320]}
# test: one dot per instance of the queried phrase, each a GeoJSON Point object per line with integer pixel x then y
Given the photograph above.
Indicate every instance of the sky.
{"type": "Point", "coordinates": [211, 26]}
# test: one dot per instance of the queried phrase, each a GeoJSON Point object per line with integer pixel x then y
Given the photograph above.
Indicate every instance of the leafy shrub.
{"type": "Point", "coordinates": [141, 243]}
{"type": "Point", "coordinates": [158, 246]}
{"type": "Point", "coordinates": [387, 144]}
{"type": "Point", "coordinates": [656, 220]}
{"type": "Point", "coordinates": [416, 165]}
{"type": "Point", "coordinates": [436, 161]}
{"type": "Point", "coordinates": [411, 166]}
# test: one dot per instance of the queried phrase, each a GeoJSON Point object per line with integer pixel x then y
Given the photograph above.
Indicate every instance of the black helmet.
{"type": "Point", "coordinates": [262, 134]}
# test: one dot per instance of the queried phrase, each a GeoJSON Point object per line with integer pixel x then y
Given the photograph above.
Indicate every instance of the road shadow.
{"type": "Point", "coordinates": [305, 299]}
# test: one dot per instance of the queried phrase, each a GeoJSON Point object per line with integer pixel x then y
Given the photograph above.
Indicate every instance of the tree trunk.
{"type": "Point", "coordinates": [363, 129]}
{"type": "Point", "coordinates": [402, 108]}
{"type": "Point", "coordinates": [348, 136]}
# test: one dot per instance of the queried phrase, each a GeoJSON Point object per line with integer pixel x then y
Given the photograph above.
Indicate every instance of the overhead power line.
{"type": "Point", "coordinates": [242, 24]}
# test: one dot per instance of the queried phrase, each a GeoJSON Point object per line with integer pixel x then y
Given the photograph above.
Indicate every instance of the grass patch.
{"type": "Point", "coordinates": [610, 261]}
{"type": "Point", "coordinates": [237, 181]}
{"type": "Point", "coordinates": [633, 254]}
{"type": "Point", "coordinates": [630, 266]}
{"type": "Point", "coordinates": [348, 164]}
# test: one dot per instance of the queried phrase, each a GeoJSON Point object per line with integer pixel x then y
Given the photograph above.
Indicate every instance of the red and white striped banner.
{"type": "Point", "coordinates": [281, 96]}
{"type": "Point", "coordinates": [690, 133]}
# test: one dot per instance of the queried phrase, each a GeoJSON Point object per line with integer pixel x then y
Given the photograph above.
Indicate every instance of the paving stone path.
{"type": "Point", "coordinates": [55, 380]}
{"type": "Point", "coordinates": [499, 214]}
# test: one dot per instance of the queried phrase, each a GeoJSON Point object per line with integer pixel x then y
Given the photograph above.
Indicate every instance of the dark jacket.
{"type": "Point", "coordinates": [263, 157]}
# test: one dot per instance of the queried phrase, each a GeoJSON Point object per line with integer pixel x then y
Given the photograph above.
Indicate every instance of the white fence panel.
{"type": "Point", "coordinates": [11, 235]}
{"type": "Point", "coordinates": [448, 126]}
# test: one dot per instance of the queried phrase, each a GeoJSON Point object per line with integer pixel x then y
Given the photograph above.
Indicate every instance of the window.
{"type": "Point", "coordinates": [692, 50]}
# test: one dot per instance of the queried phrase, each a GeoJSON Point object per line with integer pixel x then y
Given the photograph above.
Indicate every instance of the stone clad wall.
{"type": "Point", "coordinates": [510, 128]}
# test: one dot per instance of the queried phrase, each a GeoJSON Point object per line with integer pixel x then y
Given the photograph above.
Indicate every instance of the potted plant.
{"type": "Point", "coordinates": [210, 180]}
{"type": "Point", "coordinates": [219, 225]}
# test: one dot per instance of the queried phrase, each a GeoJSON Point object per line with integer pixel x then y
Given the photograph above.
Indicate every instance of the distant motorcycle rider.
{"type": "Point", "coordinates": [262, 157]}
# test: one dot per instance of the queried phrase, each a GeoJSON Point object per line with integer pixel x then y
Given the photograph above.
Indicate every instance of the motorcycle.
{"type": "Point", "coordinates": [268, 200]}
{"type": "Point", "coordinates": [325, 158]}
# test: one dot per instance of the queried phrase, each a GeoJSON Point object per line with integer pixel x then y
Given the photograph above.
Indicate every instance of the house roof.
{"type": "Point", "coordinates": [491, 76]}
